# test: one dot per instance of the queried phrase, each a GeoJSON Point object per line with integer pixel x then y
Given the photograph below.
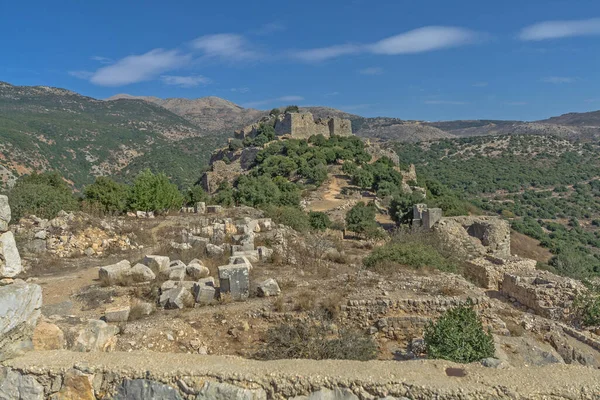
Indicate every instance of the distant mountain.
{"type": "Point", "coordinates": [50, 128]}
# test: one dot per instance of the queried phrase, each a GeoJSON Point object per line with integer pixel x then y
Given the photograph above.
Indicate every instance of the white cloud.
{"type": "Point", "coordinates": [325, 53]}
{"type": "Point", "coordinates": [102, 60]}
{"type": "Point", "coordinates": [420, 40]}
{"type": "Point", "coordinates": [424, 39]}
{"type": "Point", "coordinates": [480, 84]}
{"type": "Point", "coordinates": [225, 46]}
{"type": "Point", "coordinates": [185, 81]}
{"type": "Point", "coordinates": [371, 71]}
{"type": "Point", "coordinates": [139, 68]}
{"type": "Point", "coordinates": [558, 79]}
{"type": "Point", "coordinates": [81, 74]}
{"type": "Point", "coordinates": [561, 29]}
{"type": "Point", "coordinates": [282, 99]}
{"type": "Point", "coordinates": [445, 102]}
{"type": "Point", "coordinates": [240, 90]}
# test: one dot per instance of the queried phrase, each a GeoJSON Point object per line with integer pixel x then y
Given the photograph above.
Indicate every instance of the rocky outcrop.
{"type": "Point", "coordinates": [10, 260]}
{"type": "Point", "coordinates": [475, 236]}
{"type": "Point", "coordinates": [4, 213]}
{"type": "Point", "coordinates": [20, 305]}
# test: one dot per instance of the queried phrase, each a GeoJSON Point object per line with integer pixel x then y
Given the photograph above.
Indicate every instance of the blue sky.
{"type": "Point", "coordinates": [428, 59]}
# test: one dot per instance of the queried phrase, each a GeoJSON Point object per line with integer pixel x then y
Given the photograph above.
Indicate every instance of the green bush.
{"type": "Point", "coordinates": [458, 336]}
{"type": "Point", "coordinates": [43, 195]}
{"type": "Point", "coordinates": [361, 218]}
{"type": "Point", "coordinates": [154, 193]}
{"type": "Point", "coordinates": [316, 342]}
{"type": "Point", "coordinates": [319, 221]}
{"type": "Point", "coordinates": [108, 195]}
{"type": "Point", "coordinates": [224, 195]}
{"type": "Point", "coordinates": [291, 109]}
{"type": "Point", "coordinates": [290, 216]}
{"type": "Point", "coordinates": [587, 306]}
{"type": "Point", "coordinates": [413, 254]}
{"type": "Point", "coordinates": [196, 194]}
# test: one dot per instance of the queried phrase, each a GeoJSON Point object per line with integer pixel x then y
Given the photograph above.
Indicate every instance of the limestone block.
{"type": "Point", "coordinates": [176, 298]}
{"type": "Point", "coordinates": [14, 386]}
{"type": "Point", "coordinates": [10, 259]}
{"type": "Point", "coordinates": [225, 391]}
{"type": "Point", "coordinates": [117, 314]}
{"type": "Point", "coordinates": [97, 335]}
{"type": "Point", "coordinates": [197, 270]}
{"type": "Point", "coordinates": [48, 336]}
{"type": "Point", "coordinates": [156, 263]}
{"type": "Point", "coordinates": [234, 279]}
{"type": "Point", "coordinates": [268, 288]}
{"type": "Point", "coordinates": [4, 213]}
{"type": "Point", "coordinates": [142, 389]}
{"type": "Point", "coordinates": [114, 274]}
{"type": "Point", "coordinates": [201, 207]}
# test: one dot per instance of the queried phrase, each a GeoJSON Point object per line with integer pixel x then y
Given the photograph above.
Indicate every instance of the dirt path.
{"type": "Point", "coordinates": [331, 196]}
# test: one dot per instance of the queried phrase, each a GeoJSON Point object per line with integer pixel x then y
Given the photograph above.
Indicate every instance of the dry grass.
{"type": "Point", "coordinates": [305, 301]}
{"type": "Point", "coordinates": [93, 297]}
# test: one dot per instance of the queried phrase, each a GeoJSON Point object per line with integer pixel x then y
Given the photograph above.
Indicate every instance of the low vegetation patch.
{"type": "Point", "coordinates": [317, 342]}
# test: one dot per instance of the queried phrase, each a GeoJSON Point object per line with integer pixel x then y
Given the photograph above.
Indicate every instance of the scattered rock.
{"type": "Point", "coordinates": [97, 335]}
{"type": "Point", "coordinates": [204, 291]}
{"type": "Point", "coordinates": [4, 213]}
{"type": "Point", "coordinates": [234, 279]}
{"type": "Point", "coordinates": [117, 314]}
{"type": "Point", "coordinates": [197, 270]}
{"type": "Point", "coordinates": [264, 253]}
{"type": "Point", "coordinates": [178, 297]}
{"type": "Point", "coordinates": [77, 385]}
{"type": "Point", "coordinates": [268, 288]}
{"type": "Point", "coordinates": [114, 274]}
{"type": "Point", "coordinates": [214, 250]}
{"type": "Point", "coordinates": [48, 336]}
{"type": "Point", "coordinates": [156, 263]}
{"type": "Point", "coordinates": [140, 273]}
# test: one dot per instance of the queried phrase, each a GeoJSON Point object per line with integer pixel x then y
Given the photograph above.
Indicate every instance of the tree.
{"type": "Point", "coordinates": [154, 193]}
{"type": "Point", "coordinates": [111, 196]}
{"type": "Point", "coordinates": [362, 178]}
{"type": "Point", "coordinates": [291, 109]}
{"type": "Point", "coordinates": [319, 221]}
{"type": "Point", "coordinates": [275, 112]}
{"type": "Point", "coordinates": [458, 336]}
{"type": "Point", "coordinates": [361, 218]}
{"type": "Point", "coordinates": [43, 195]}
{"type": "Point", "coordinates": [224, 195]}
{"type": "Point", "coordinates": [196, 194]}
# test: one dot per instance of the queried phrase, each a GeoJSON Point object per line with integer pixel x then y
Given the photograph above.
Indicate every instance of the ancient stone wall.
{"type": "Point", "coordinates": [476, 236]}
{"type": "Point", "coordinates": [488, 272]}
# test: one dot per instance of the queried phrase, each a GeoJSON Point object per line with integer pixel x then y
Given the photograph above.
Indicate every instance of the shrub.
{"type": "Point", "coordinates": [154, 193]}
{"type": "Point", "coordinates": [458, 336]}
{"type": "Point", "coordinates": [196, 194]}
{"type": "Point", "coordinates": [315, 341]}
{"type": "Point", "coordinates": [412, 254]}
{"type": "Point", "coordinates": [236, 144]}
{"type": "Point", "coordinates": [361, 218]}
{"type": "Point", "coordinates": [290, 216]}
{"type": "Point", "coordinates": [291, 109]}
{"type": "Point", "coordinates": [319, 221]}
{"type": "Point", "coordinates": [587, 306]}
{"type": "Point", "coordinates": [109, 195]}
{"type": "Point", "coordinates": [43, 195]}
{"type": "Point", "coordinates": [224, 195]}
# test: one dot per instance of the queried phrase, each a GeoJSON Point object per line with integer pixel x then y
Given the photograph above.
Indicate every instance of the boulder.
{"type": "Point", "coordinates": [204, 291]}
{"type": "Point", "coordinates": [10, 260]}
{"type": "Point", "coordinates": [4, 213]}
{"type": "Point", "coordinates": [214, 250]}
{"type": "Point", "coordinates": [268, 288]}
{"type": "Point", "coordinates": [226, 391]}
{"type": "Point", "coordinates": [175, 273]}
{"type": "Point", "coordinates": [117, 314]}
{"type": "Point", "coordinates": [140, 273]}
{"type": "Point", "coordinates": [97, 335]}
{"type": "Point", "coordinates": [14, 386]}
{"type": "Point", "coordinates": [143, 389]}
{"type": "Point", "coordinates": [156, 263]}
{"type": "Point", "coordinates": [20, 305]}
{"type": "Point", "coordinates": [251, 255]}
{"type": "Point", "coordinates": [234, 279]}
{"type": "Point", "coordinates": [48, 336]}
{"type": "Point", "coordinates": [176, 298]}
{"type": "Point", "coordinates": [168, 285]}
{"type": "Point", "coordinates": [114, 274]}
{"type": "Point", "coordinates": [264, 253]}
{"type": "Point", "coordinates": [201, 207]}
{"type": "Point", "coordinates": [76, 385]}
{"type": "Point", "coordinates": [197, 270]}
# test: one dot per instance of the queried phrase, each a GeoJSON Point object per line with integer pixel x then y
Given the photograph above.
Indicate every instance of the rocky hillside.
{"type": "Point", "coordinates": [48, 128]}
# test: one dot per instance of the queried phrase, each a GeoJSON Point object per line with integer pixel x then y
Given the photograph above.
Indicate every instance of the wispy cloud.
{"type": "Point", "coordinates": [267, 29]}
{"type": "Point", "coordinates": [102, 60]}
{"type": "Point", "coordinates": [331, 94]}
{"type": "Point", "coordinates": [225, 46]}
{"type": "Point", "coordinates": [138, 68]}
{"type": "Point", "coordinates": [371, 71]}
{"type": "Point", "coordinates": [480, 84]}
{"type": "Point", "coordinates": [240, 90]}
{"type": "Point", "coordinates": [561, 29]}
{"type": "Point", "coordinates": [558, 79]}
{"type": "Point", "coordinates": [282, 99]}
{"type": "Point", "coordinates": [420, 40]}
{"type": "Point", "coordinates": [446, 102]}
{"type": "Point", "coordinates": [185, 81]}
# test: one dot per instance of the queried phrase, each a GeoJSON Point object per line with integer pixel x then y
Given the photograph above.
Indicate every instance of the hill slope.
{"type": "Point", "coordinates": [48, 128]}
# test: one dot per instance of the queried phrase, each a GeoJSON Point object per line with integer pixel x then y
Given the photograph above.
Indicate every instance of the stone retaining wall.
{"type": "Point", "coordinates": [151, 376]}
